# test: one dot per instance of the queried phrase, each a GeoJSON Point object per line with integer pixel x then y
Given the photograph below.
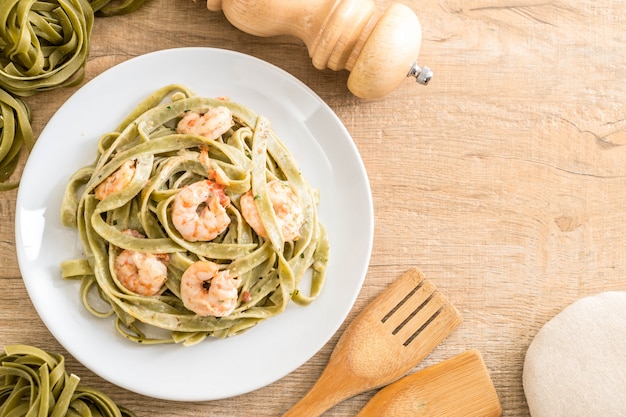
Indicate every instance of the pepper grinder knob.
{"type": "Point", "coordinates": [422, 75]}
{"type": "Point", "coordinates": [378, 49]}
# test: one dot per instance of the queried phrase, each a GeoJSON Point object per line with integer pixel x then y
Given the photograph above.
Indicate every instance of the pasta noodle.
{"type": "Point", "coordinates": [15, 133]}
{"type": "Point", "coordinates": [44, 44]}
{"type": "Point", "coordinates": [247, 157]}
{"type": "Point", "coordinates": [113, 7]}
{"type": "Point", "coordinates": [34, 382]}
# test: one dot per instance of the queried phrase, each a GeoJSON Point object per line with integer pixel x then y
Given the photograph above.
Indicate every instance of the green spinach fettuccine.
{"type": "Point", "coordinates": [248, 156]}
{"type": "Point", "coordinates": [15, 133]}
{"type": "Point", "coordinates": [34, 382]}
{"type": "Point", "coordinates": [115, 7]}
{"type": "Point", "coordinates": [43, 44]}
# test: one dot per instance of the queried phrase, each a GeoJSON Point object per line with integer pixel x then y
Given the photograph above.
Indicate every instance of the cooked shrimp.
{"type": "Point", "coordinates": [207, 291]}
{"type": "Point", "coordinates": [216, 173]}
{"type": "Point", "coordinates": [117, 181]}
{"type": "Point", "coordinates": [199, 211]}
{"type": "Point", "coordinates": [140, 272]}
{"type": "Point", "coordinates": [212, 124]}
{"type": "Point", "coordinates": [287, 208]}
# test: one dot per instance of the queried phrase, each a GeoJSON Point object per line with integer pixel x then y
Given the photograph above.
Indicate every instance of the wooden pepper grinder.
{"type": "Point", "coordinates": [379, 49]}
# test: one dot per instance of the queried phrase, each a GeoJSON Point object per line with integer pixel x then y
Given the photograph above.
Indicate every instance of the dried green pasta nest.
{"type": "Point", "coordinates": [115, 7]}
{"type": "Point", "coordinates": [15, 133]}
{"type": "Point", "coordinates": [34, 382]}
{"type": "Point", "coordinates": [44, 44]}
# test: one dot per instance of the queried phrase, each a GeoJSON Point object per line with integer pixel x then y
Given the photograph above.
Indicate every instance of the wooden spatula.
{"type": "Point", "coordinates": [457, 387]}
{"type": "Point", "coordinates": [388, 338]}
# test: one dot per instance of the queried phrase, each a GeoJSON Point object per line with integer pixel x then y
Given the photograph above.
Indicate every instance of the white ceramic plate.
{"type": "Point", "coordinates": [213, 369]}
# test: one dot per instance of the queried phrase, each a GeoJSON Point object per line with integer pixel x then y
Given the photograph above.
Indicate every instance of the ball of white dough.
{"type": "Point", "coordinates": [576, 364]}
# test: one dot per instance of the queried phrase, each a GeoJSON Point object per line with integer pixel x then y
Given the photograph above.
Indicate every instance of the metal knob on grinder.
{"type": "Point", "coordinates": [378, 49]}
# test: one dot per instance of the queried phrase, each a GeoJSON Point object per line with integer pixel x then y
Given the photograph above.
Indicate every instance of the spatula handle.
{"type": "Point", "coordinates": [329, 390]}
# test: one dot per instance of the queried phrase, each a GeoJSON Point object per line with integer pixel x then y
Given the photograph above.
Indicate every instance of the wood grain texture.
{"type": "Point", "coordinates": [502, 180]}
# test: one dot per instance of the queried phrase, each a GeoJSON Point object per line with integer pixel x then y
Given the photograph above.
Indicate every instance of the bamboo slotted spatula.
{"type": "Point", "coordinates": [389, 337]}
{"type": "Point", "coordinates": [457, 387]}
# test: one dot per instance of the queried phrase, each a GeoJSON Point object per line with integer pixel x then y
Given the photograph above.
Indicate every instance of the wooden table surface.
{"type": "Point", "coordinates": [502, 180]}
